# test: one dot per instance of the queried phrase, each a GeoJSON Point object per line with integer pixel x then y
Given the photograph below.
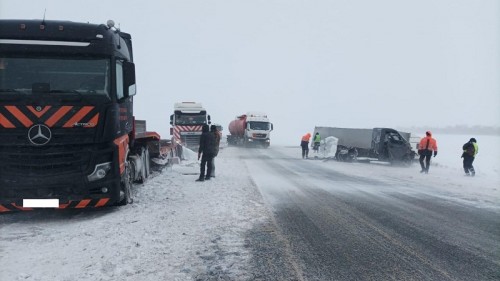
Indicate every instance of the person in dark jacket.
{"type": "Point", "coordinates": [470, 150]}
{"type": "Point", "coordinates": [206, 152]}
{"type": "Point", "coordinates": [218, 136]}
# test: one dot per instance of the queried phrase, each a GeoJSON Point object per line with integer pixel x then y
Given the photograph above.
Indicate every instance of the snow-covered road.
{"type": "Point", "coordinates": [232, 227]}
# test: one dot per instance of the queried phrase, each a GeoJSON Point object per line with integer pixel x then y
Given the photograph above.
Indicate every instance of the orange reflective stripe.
{"type": "Point", "coordinates": [19, 115]}
{"type": "Point", "coordinates": [102, 202]}
{"type": "Point", "coordinates": [58, 115]}
{"type": "Point", "coordinates": [93, 122]}
{"type": "Point", "coordinates": [5, 123]}
{"type": "Point", "coordinates": [78, 116]}
{"type": "Point", "coordinates": [3, 209]}
{"type": "Point", "coordinates": [38, 114]}
{"type": "Point", "coordinates": [21, 207]}
{"type": "Point", "coordinates": [83, 204]}
{"type": "Point", "coordinates": [63, 206]}
{"type": "Point", "coordinates": [122, 143]}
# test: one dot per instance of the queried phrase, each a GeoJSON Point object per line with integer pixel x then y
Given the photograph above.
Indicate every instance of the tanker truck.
{"type": "Point", "coordinates": [251, 129]}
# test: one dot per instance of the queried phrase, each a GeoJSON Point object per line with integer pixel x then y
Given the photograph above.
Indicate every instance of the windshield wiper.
{"type": "Point", "coordinates": [73, 94]}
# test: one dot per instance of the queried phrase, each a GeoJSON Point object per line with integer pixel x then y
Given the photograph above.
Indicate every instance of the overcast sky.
{"type": "Point", "coordinates": [364, 63]}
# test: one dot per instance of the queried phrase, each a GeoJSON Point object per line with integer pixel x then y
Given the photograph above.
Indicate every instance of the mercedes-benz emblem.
{"type": "Point", "coordinates": [39, 134]}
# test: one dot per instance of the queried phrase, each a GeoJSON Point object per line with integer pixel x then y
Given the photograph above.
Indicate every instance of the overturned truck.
{"type": "Point", "coordinates": [383, 144]}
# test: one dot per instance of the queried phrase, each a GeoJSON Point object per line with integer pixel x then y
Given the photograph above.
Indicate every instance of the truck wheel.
{"type": "Point", "coordinates": [126, 186]}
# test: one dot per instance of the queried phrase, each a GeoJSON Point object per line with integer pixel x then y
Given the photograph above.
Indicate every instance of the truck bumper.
{"type": "Point", "coordinates": [37, 176]}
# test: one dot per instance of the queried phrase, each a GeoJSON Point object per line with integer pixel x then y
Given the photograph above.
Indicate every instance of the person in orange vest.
{"type": "Point", "coordinates": [426, 147]}
{"type": "Point", "coordinates": [304, 143]}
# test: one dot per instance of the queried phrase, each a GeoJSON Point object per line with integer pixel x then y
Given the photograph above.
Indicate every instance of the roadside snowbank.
{"type": "Point", "coordinates": [177, 229]}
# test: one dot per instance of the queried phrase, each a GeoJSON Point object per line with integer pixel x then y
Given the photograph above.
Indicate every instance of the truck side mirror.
{"type": "Point", "coordinates": [272, 126]}
{"type": "Point", "coordinates": [209, 122]}
{"type": "Point", "coordinates": [129, 87]}
{"type": "Point", "coordinates": [171, 131]}
{"type": "Point", "coordinates": [171, 120]}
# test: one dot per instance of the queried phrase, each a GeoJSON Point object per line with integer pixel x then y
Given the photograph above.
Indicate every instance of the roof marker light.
{"type": "Point", "coordinates": [22, 26]}
{"type": "Point", "coordinates": [61, 28]}
{"type": "Point", "coordinates": [42, 27]}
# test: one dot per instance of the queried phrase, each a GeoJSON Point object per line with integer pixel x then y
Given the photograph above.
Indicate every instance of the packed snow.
{"type": "Point", "coordinates": [179, 229]}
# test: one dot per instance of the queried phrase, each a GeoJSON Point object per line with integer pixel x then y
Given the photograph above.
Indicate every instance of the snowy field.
{"type": "Point", "coordinates": [179, 229]}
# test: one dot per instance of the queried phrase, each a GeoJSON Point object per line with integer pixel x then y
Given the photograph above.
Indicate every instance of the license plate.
{"type": "Point", "coordinates": [40, 203]}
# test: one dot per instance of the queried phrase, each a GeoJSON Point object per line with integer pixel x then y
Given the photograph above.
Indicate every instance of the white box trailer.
{"type": "Point", "coordinates": [384, 144]}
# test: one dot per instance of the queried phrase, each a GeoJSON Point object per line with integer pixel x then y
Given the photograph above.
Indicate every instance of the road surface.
{"type": "Point", "coordinates": [350, 221]}
{"type": "Point", "coordinates": [269, 215]}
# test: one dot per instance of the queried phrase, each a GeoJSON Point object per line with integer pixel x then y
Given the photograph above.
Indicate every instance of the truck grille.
{"type": "Point", "coordinates": [36, 161]}
{"type": "Point", "coordinates": [259, 135]}
{"type": "Point", "coordinates": [191, 141]}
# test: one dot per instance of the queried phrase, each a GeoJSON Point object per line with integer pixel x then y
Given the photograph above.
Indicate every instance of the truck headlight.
{"type": "Point", "coordinates": [100, 171]}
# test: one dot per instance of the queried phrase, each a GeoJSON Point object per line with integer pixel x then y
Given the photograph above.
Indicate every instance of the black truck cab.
{"type": "Point", "coordinates": [66, 113]}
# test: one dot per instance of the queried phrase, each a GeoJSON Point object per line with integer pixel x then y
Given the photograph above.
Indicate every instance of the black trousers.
{"type": "Point", "coordinates": [305, 151]}
{"type": "Point", "coordinates": [305, 148]}
{"type": "Point", "coordinates": [427, 154]}
{"type": "Point", "coordinates": [206, 160]}
{"type": "Point", "coordinates": [468, 160]}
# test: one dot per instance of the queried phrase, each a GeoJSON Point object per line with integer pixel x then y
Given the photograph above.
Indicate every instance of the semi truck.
{"type": "Point", "coordinates": [251, 129]}
{"type": "Point", "coordinates": [187, 122]}
{"type": "Point", "coordinates": [383, 144]}
{"type": "Point", "coordinates": [68, 135]}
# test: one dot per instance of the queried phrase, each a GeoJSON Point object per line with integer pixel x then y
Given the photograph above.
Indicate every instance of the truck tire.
{"type": "Point", "coordinates": [126, 186]}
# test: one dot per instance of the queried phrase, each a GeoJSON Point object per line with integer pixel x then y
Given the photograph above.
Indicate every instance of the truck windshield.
{"type": "Point", "coordinates": [190, 119]}
{"type": "Point", "coordinates": [254, 125]}
{"type": "Point", "coordinates": [394, 137]}
{"type": "Point", "coordinates": [25, 75]}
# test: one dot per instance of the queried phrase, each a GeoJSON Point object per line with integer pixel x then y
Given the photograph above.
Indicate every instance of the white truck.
{"type": "Point", "coordinates": [187, 122]}
{"type": "Point", "coordinates": [251, 129]}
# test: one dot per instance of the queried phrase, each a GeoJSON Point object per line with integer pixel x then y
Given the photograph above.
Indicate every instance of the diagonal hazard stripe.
{"type": "Point", "coordinates": [102, 202]}
{"type": "Point", "coordinates": [78, 116]}
{"type": "Point", "coordinates": [83, 204]}
{"type": "Point", "coordinates": [5, 123]}
{"type": "Point", "coordinates": [93, 121]}
{"type": "Point", "coordinates": [58, 115]}
{"type": "Point", "coordinates": [19, 115]}
{"type": "Point", "coordinates": [3, 209]}
{"type": "Point", "coordinates": [38, 114]}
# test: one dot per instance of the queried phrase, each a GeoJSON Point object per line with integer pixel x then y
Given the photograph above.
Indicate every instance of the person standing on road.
{"type": "Point", "coordinates": [218, 136]}
{"type": "Point", "coordinates": [470, 151]}
{"type": "Point", "coordinates": [316, 142]}
{"type": "Point", "coordinates": [207, 152]}
{"type": "Point", "coordinates": [426, 146]}
{"type": "Point", "coordinates": [304, 143]}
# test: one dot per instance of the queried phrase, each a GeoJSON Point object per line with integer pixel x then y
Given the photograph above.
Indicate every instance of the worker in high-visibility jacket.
{"type": "Point", "coordinates": [426, 147]}
{"type": "Point", "coordinates": [470, 151]}
{"type": "Point", "coordinates": [304, 143]}
{"type": "Point", "coordinates": [316, 142]}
